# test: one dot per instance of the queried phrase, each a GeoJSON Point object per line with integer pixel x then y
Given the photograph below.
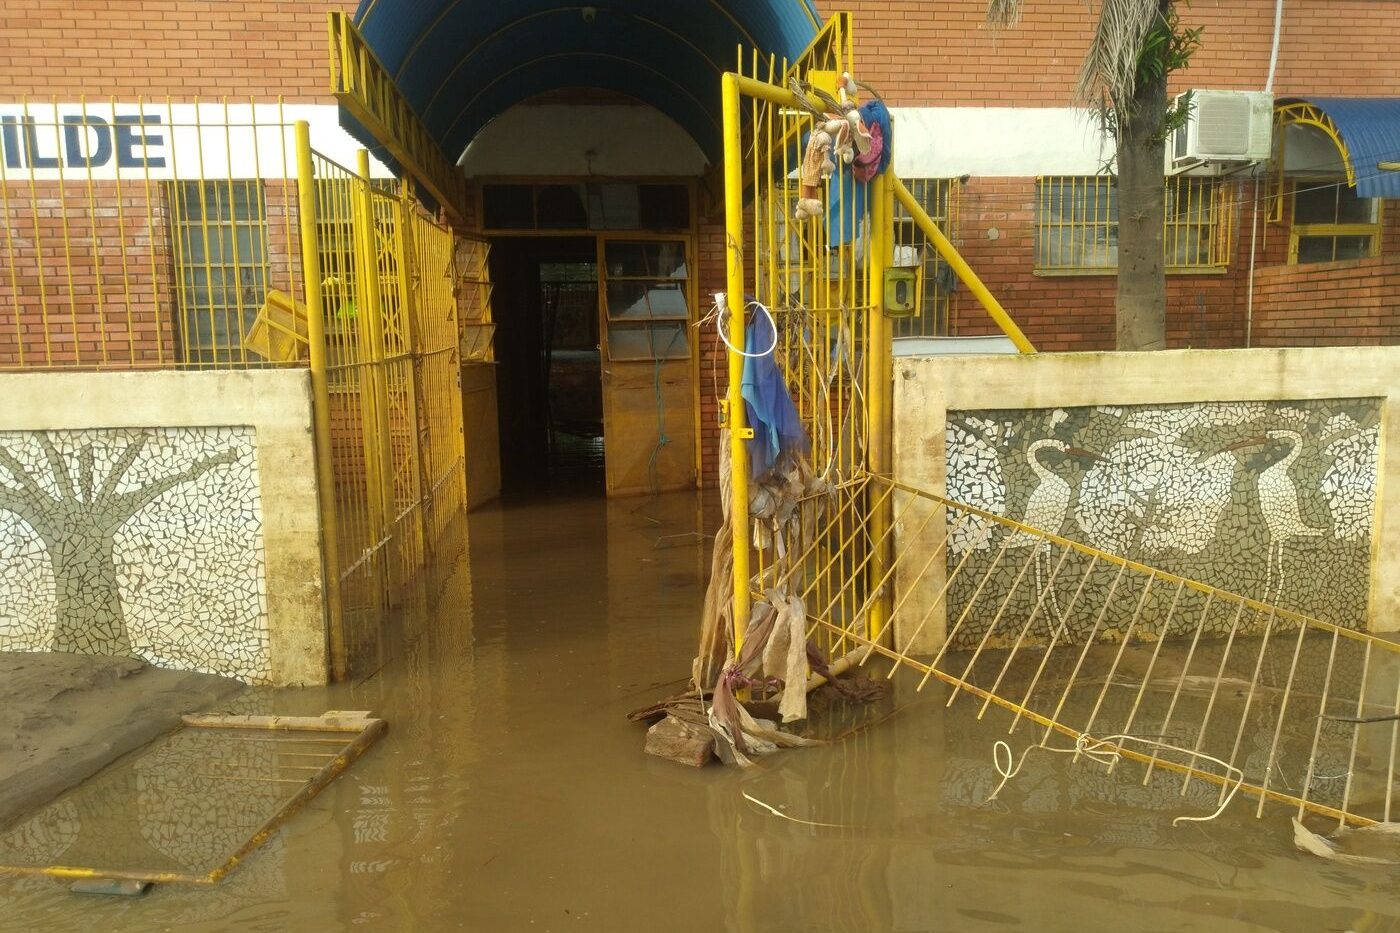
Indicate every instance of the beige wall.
{"type": "Point", "coordinates": [276, 404]}
{"type": "Point", "coordinates": [927, 388]}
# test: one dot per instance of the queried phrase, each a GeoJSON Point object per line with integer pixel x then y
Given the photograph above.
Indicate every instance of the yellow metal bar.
{"type": "Point", "coordinates": [366, 89]}
{"type": "Point", "coordinates": [877, 361]}
{"type": "Point", "coordinates": [408, 311]}
{"type": "Point", "coordinates": [960, 267]}
{"type": "Point", "coordinates": [373, 729]}
{"type": "Point", "coordinates": [320, 400]}
{"type": "Point", "coordinates": [730, 86]}
{"type": "Point", "coordinates": [370, 357]}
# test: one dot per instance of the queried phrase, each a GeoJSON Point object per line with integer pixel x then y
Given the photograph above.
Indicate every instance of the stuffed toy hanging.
{"type": "Point", "coordinates": [838, 133]}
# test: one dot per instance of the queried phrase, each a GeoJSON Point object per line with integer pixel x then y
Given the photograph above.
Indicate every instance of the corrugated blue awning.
{"type": "Point", "coordinates": [460, 63]}
{"type": "Point", "coordinates": [1370, 128]}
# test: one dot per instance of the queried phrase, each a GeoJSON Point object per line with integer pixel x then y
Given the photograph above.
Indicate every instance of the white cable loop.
{"type": "Point", "coordinates": [1095, 750]}
{"type": "Point", "coordinates": [722, 309]}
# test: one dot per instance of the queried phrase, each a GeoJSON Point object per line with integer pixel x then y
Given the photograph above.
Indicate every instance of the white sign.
{"type": "Point", "coordinates": [135, 141]}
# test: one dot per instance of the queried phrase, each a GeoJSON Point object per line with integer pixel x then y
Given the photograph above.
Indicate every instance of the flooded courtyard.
{"type": "Point", "coordinates": [511, 793]}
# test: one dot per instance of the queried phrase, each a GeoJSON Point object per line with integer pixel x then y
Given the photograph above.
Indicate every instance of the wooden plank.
{"type": "Point", "coordinates": [632, 419]}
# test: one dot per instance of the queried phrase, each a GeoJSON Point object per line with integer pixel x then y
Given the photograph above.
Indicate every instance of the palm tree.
{"type": "Point", "coordinates": [1137, 44]}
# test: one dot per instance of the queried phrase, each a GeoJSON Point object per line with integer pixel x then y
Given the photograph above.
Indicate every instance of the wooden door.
{"type": "Point", "coordinates": [646, 299]}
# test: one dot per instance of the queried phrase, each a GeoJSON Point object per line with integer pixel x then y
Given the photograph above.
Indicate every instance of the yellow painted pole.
{"type": "Point", "coordinates": [877, 366]}
{"type": "Point", "coordinates": [410, 279]}
{"type": "Point", "coordinates": [320, 399]}
{"type": "Point", "coordinates": [964, 272]}
{"type": "Point", "coordinates": [371, 314]}
{"type": "Point", "coordinates": [734, 284]}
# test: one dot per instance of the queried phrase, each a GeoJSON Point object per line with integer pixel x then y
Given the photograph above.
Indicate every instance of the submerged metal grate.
{"type": "Point", "coordinates": [191, 806]}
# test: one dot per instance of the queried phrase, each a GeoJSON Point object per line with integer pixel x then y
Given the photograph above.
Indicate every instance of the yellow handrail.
{"type": "Point", "coordinates": [949, 254]}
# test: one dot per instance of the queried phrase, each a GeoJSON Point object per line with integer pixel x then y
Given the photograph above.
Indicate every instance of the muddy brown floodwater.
{"type": "Point", "coordinates": [512, 794]}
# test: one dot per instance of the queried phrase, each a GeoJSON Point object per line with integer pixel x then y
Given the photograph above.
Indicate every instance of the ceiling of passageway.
{"type": "Point", "coordinates": [460, 63]}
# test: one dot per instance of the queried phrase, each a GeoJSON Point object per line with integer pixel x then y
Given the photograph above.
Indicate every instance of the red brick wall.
{"type": "Point", "coordinates": [941, 54]}
{"type": "Point", "coordinates": [154, 48]}
{"type": "Point", "coordinates": [915, 51]}
{"type": "Point", "coordinates": [93, 268]}
{"type": "Point", "coordinates": [1328, 304]}
{"type": "Point", "coordinates": [85, 282]}
{"type": "Point", "coordinates": [1073, 312]}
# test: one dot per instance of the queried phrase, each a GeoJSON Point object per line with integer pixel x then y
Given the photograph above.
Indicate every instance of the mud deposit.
{"type": "Point", "coordinates": [65, 716]}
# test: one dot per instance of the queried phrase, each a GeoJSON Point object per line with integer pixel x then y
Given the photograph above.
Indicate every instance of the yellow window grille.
{"type": "Point", "coordinates": [1076, 224]}
{"type": "Point", "coordinates": [939, 198]}
{"type": "Point", "coordinates": [222, 268]}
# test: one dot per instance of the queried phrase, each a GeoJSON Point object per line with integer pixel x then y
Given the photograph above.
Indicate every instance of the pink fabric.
{"type": "Point", "coordinates": [867, 166]}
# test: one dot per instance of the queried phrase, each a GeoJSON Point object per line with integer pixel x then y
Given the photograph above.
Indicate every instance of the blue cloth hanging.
{"type": "Point", "coordinates": [777, 429]}
{"type": "Point", "coordinates": [847, 207]}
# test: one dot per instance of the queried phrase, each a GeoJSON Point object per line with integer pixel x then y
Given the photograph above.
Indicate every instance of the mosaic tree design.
{"type": "Point", "coordinates": [77, 516]}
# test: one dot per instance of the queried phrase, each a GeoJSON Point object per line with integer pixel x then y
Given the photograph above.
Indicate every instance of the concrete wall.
{"type": "Point", "coordinates": [1325, 395]}
{"type": "Point", "coordinates": [218, 568]}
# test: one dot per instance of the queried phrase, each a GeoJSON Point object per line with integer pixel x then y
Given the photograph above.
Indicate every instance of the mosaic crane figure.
{"type": "Point", "coordinates": [1278, 500]}
{"type": "Point", "coordinates": [1047, 508]}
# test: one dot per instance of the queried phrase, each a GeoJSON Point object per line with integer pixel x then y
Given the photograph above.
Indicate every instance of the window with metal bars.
{"type": "Point", "coordinates": [934, 279]}
{"type": "Point", "coordinates": [1076, 224]}
{"type": "Point", "coordinates": [221, 266]}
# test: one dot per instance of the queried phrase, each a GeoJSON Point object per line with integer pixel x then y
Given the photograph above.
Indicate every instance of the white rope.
{"type": "Point", "coordinates": [722, 309]}
{"type": "Point", "coordinates": [1099, 750]}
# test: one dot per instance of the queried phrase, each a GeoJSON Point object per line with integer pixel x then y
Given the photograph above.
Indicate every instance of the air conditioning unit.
{"type": "Point", "coordinates": [1225, 128]}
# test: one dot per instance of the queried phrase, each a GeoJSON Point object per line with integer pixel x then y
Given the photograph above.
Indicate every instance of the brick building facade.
{"type": "Point", "coordinates": [984, 112]}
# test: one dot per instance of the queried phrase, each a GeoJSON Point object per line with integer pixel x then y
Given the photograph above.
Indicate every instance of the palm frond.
{"type": "Point", "coordinates": [1110, 65]}
{"type": "Point", "coordinates": [1002, 14]}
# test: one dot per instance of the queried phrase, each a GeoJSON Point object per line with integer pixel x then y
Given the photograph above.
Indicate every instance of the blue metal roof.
{"type": "Point", "coordinates": [1370, 127]}
{"type": "Point", "coordinates": [460, 63]}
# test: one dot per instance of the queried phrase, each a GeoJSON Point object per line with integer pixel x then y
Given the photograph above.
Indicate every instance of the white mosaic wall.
{"type": "Point", "coordinates": [1274, 500]}
{"type": "Point", "coordinates": [144, 542]}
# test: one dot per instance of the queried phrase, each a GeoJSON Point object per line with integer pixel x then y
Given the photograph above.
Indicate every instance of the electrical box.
{"type": "Point", "coordinates": [901, 292]}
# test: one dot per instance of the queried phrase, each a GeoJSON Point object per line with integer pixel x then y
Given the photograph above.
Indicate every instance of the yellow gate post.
{"type": "Point", "coordinates": [736, 423]}
{"type": "Point", "coordinates": [374, 386]}
{"type": "Point", "coordinates": [410, 278]}
{"type": "Point", "coordinates": [878, 376]}
{"type": "Point", "coordinates": [320, 399]}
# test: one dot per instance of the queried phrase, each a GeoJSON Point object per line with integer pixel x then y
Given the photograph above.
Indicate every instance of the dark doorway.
{"type": "Point", "coordinates": [549, 378]}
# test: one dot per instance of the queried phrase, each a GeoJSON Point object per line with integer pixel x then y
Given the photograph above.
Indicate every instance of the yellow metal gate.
{"type": "Point", "coordinates": [382, 296]}
{"type": "Point", "coordinates": [822, 281]}
{"type": "Point", "coordinates": [1246, 697]}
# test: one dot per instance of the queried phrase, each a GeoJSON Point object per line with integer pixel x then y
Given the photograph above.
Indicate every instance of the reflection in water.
{"type": "Point", "coordinates": [511, 793]}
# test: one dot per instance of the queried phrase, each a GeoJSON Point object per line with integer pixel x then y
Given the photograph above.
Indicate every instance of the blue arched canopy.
{"type": "Point", "coordinates": [459, 63]}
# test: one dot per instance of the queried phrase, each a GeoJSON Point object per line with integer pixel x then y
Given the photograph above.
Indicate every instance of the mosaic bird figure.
{"type": "Point", "coordinates": [1279, 501]}
{"type": "Point", "coordinates": [1046, 509]}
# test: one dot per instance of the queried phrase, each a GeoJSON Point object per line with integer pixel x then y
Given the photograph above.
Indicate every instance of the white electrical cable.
{"type": "Point", "coordinates": [1273, 52]}
{"type": "Point", "coordinates": [721, 326]}
{"type": "Point", "coordinates": [1094, 749]}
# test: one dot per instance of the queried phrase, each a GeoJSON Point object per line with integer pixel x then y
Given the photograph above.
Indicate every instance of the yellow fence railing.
{"type": "Point", "coordinates": [145, 235]}
{"type": "Point", "coordinates": [387, 382]}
